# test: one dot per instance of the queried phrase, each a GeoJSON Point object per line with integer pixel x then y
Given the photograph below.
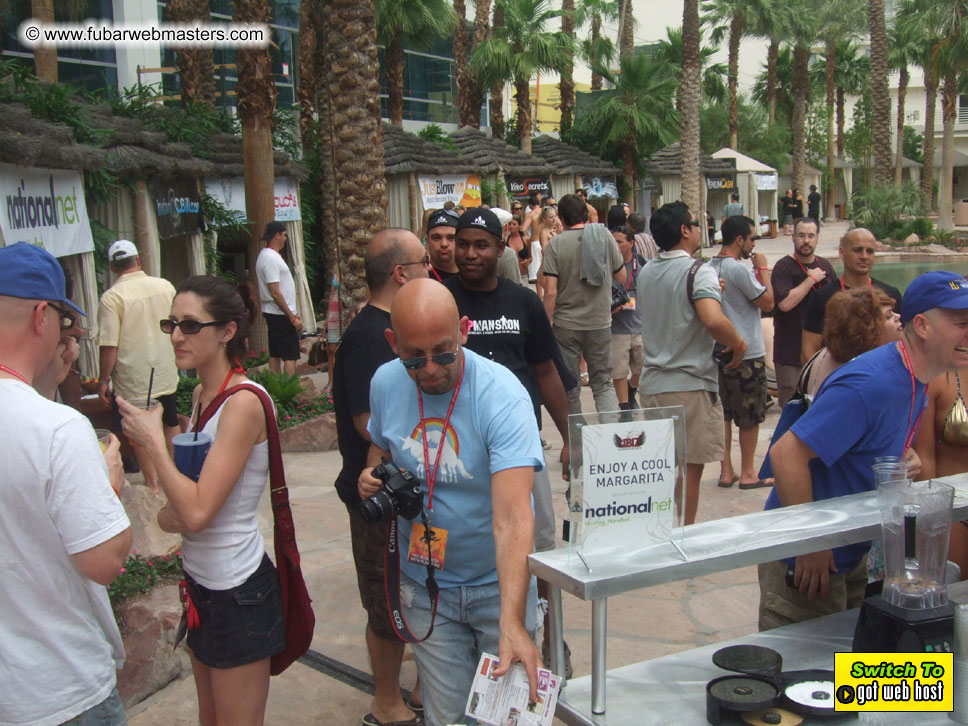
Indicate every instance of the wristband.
{"type": "Point", "coordinates": [763, 268]}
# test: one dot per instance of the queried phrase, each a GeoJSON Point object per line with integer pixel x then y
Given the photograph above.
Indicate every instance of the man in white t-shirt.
{"type": "Point", "coordinates": [277, 293]}
{"type": "Point", "coordinates": [63, 532]}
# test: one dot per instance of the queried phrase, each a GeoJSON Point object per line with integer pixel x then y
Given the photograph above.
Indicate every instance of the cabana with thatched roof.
{"type": "Point", "coordinates": [718, 179]}
{"type": "Point", "coordinates": [415, 168]}
{"type": "Point", "coordinates": [756, 184]}
{"type": "Point", "coordinates": [497, 160]}
{"type": "Point", "coordinates": [573, 168]}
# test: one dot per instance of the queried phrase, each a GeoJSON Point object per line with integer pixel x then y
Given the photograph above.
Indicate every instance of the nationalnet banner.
{"type": "Point", "coordinates": [45, 207]}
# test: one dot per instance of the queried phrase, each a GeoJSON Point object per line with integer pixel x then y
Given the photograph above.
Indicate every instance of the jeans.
{"type": "Point", "coordinates": [596, 346]}
{"type": "Point", "coordinates": [467, 625]}
{"type": "Point", "coordinates": [109, 712]}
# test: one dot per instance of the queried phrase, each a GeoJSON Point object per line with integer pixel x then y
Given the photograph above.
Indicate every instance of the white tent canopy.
{"type": "Point", "coordinates": [751, 178]}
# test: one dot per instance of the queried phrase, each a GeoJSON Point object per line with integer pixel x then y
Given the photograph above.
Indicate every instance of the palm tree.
{"type": "Point", "coordinates": [689, 91]}
{"type": "Point", "coordinates": [773, 88]}
{"type": "Point", "coordinates": [416, 21]}
{"type": "Point", "coordinates": [879, 94]}
{"type": "Point", "coordinates": [636, 117]}
{"type": "Point", "coordinates": [519, 50]}
{"type": "Point", "coordinates": [626, 28]}
{"type": "Point", "coordinates": [256, 103]}
{"type": "Point", "coordinates": [45, 56]}
{"type": "Point", "coordinates": [596, 49]}
{"type": "Point", "coordinates": [852, 76]}
{"type": "Point", "coordinates": [668, 51]}
{"type": "Point", "coordinates": [307, 91]}
{"type": "Point", "coordinates": [470, 94]}
{"type": "Point", "coordinates": [357, 140]}
{"type": "Point", "coordinates": [196, 66]}
{"type": "Point", "coordinates": [566, 87]}
{"type": "Point", "coordinates": [496, 106]}
{"type": "Point", "coordinates": [902, 52]}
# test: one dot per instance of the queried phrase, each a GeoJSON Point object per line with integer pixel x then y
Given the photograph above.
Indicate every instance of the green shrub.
{"type": "Point", "coordinates": [139, 575]}
{"type": "Point", "coordinates": [283, 388]}
{"type": "Point", "coordinates": [882, 208]}
{"type": "Point", "coordinates": [183, 395]}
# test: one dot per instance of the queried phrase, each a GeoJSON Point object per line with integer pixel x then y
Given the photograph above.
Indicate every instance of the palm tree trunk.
{"type": "Point", "coordinates": [830, 62]}
{"type": "Point", "coordinates": [306, 93]}
{"type": "Point", "coordinates": [329, 189]}
{"type": "Point", "coordinates": [771, 55]}
{"type": "Point", "coordinates": [689, 88]}
{"type": "Point", "coordinates": [735, 34]}
{"type": "Point", "coordinates": [949, 113]}
{"type": "Point", "coordinates": [627, 41]}
{"type": "Point", "coordinates": [196, 67]}
{"type": "Point", "coordinates": [496, 106]}
{"type": "Point", "coordinates": [927, 170]}
{"type": "Point", "coordinates": [358, 140]}
{"type": "Point", "coordinates": [475, 93]}
{"type": "Point", "coordinates": [566, 86]}
{"type": "Point", "coordinates": [902, 85]}
{"type": "Point", "coordinates": [801, 82]}
{"type": "Point", "coordinates": [393, 66]}
{"type": "Point", "coordinates": [461, 54]}
{"type": "Point", "coordinates": [596, 33]}
{"type": "Point", "coordinates": [879, 95]}
{"type": "Point", "coordinates": [522, 96]}
{"type": "Point", "coordinates": [840, 122]}
{"type": "Point", "coordinates": [628, 172]}
{"type": "Point", "coordinates": [45, 56]}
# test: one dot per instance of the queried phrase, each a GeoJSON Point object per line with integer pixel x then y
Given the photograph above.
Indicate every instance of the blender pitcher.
{"type": "Point", "coordinates": [915, 525]}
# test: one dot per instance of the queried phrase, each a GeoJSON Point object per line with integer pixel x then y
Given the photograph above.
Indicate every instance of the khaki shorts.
{"type": "Point", "coordinates": [704, 422]}
{"type": "Point", "coordinates": [627, 355]}
{"type": "Point", "coordinates": [781, 605]}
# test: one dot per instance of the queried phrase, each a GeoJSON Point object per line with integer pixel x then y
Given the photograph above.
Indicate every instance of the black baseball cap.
{"type": "Point", "coordinates": [443, 218]}
{"type": "Point", "coordinates": [477, 218]}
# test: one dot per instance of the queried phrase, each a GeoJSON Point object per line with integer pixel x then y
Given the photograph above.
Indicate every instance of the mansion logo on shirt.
{"type": "Point", "coordinates": [494, 326]}
{"type": "Point", "coordinates": [451, 468]}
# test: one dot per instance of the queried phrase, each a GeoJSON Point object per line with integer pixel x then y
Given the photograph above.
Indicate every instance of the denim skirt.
{"type": "Point", "coordinates": [238, 626]}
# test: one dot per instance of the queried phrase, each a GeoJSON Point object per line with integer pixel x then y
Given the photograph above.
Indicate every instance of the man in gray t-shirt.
{"type": "Point", "coordinates": [734, 208]}
{"type": "Point", "coordinates": [578, 296]}
{"type": "Point", "coordinates": [678, 340]}
{"type": "Point", "coordinates": [743, 389]}
{"type": "Point", "coordinates": [627, 359]}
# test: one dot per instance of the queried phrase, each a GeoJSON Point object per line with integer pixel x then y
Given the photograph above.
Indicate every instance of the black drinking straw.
{"type": "Point", "coordinates": [198, 418]}
{"type": "Point", "coordinates": [151, 381]}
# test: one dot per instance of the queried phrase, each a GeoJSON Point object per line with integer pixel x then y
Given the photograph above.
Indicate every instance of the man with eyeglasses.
{"type": "Point", "coordinates": [441, 230]}
{"type": "Point", "coordinates": [464, 426]}
{"type": "Point", "coordinates": [63, 530]}
{"type": "Point", "coordinates": [131, 345]}
{"type": "Point", "coordinates": [393, 258]}
{"type": "Point", "coordinates": [795, 279]}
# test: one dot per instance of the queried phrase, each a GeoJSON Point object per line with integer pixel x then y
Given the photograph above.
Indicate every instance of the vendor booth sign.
{"type": "Point", "coordinates": [230, 193]}
{"type": "Point", "coordinates": [462, 189]}
{"type": "Point", "coordinates": [765, 182]}
{"type": "Point", "coordinates": [45, 207]}
{"type": "Point", "coordinates": [724, 182]}
{"type": "Point", "coordinates": [177, 207]}
{"type": "Point", "coordinates": [628, 483]}
{"type": "Point", "coordinates": [599, 186]}
{"type": "Point", "coordinates": [521, 187]}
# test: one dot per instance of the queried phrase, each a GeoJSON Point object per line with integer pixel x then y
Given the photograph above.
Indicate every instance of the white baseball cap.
{"type": "Point", "coordinates": [122, 250]}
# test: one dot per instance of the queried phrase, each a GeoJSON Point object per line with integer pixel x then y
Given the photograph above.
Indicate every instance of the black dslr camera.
{"type": "Point", "coordinates": [401, 492]}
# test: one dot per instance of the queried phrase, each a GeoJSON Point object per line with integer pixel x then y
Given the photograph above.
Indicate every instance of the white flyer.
{"type": "Point", "coordinates": [505, 701]}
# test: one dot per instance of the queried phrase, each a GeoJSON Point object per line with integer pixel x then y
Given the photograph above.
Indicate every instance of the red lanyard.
{"type": "Point", "coordinates": [432, 477]}
{"type": "Point", "coordinates": [816, 285]}
{"type": "Point", "coordinates": [635, 266]}
{"type": "Point", "coordinates": [236, 368]}
{"type": "Point", "coordinates": [912, 430]}
{"type": "Point", "coordinates": [845, 288]}
{"type": "Point", "coordinates": [14, 373]}
{"type": "Point", "coordinates": [436, 274]}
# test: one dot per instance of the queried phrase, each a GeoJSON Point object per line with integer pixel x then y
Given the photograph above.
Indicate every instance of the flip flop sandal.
{"type": "Point", "coordinates": [727, 484]}
{"type": "Point", "coordinates": [371, 720]}
{"type": "Point", "coordinates": [756, 485]}
{"type": "Point", "coordinates": [417, 708]}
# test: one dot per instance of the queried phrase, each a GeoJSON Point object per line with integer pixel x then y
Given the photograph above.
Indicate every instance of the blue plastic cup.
{"type": "Point", "coordinates": [190, 453]}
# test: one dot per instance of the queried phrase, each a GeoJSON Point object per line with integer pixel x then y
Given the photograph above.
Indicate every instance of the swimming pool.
{"type": "Point", "coordinates": [899, 274]}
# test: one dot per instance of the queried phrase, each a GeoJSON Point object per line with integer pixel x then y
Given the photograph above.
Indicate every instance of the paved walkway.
{"type": "Point", "coordinates": [641, 625]}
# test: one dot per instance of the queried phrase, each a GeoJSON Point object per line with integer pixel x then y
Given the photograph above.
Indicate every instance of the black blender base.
{"type": "Point", "coordinates": [886, 628]}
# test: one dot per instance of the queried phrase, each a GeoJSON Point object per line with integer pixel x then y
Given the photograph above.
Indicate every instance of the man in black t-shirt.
{"type": "Point", "coordinates": [857, 250]}
{"type": "Point", "coordinates": [509, 325]}
{"type": "Point", "coordinates": [393, 257]}
{"type": "Point", "coordinates": [813, 203]}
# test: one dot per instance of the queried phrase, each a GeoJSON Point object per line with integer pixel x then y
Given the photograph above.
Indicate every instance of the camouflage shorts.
{"type": "Point", "coordinates": [743, 391]}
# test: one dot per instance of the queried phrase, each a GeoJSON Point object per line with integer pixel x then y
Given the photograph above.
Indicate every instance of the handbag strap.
{"type": "Point", "coordinates": [691, 281]}
{"type": "Point", "coordinates": [278, 492]}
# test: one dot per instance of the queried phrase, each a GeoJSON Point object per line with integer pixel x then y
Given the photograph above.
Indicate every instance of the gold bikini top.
{"type": "Point", "coordinates": [955, 429]}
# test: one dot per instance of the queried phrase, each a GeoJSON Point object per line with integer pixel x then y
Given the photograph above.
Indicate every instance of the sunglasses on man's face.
{"type": "Point", "coordinates": [66, 318]}
{"type": "Point", "coordinates": [187, 327]}
{"type": "Point", "coordinates": [441, 359]}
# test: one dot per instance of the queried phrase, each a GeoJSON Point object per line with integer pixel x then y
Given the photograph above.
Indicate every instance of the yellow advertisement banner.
{"type": "Point", "coordinates": [893, 681]}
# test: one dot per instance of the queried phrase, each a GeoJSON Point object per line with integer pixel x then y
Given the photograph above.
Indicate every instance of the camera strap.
{"type": "Point", "coordinates": [391, 582]}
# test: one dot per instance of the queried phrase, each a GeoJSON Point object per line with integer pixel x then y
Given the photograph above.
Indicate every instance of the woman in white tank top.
{"type": "Point", "coordinates": [233, 585]}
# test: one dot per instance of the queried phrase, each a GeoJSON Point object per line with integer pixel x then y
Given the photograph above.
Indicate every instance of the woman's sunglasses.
{"type": "Point", "coordinates": [187, 327]}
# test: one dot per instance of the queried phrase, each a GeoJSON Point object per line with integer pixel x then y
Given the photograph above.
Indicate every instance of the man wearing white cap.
{"type": "Point", "coordinates": [132, 345]}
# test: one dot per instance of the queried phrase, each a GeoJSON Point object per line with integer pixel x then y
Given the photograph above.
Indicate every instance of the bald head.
{"type": "Point", "coordinates": [857, 250]}
{"type": "Point", "coordinates": [29, 334]}
{"type": "Point", "coordinates": [389, 248]}
{"type": "Point", "coordinates": [858, 234]}
{"type": "Point", "coordinates": [424, 304]}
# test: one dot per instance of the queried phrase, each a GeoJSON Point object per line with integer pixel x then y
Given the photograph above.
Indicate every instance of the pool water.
{"type": "Point", "coordinates": [899, 274]}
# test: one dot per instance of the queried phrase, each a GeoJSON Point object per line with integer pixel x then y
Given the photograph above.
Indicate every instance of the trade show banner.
{"type": "Point", "coordinates": [230, 193]}
{"type": "Point", "coordinates": [177, 207]}
{"type": "Point", "coordinates": [765, 182]}
{"type": "Point", "coordinates": [600, 186]}
{"type": "Point", "coordinates": [726, 183]}
{"type": "Point", "coordinates": [521, 187]}
{"type": "Point", "coordinates": [628, 483]}
{"type": "Point", "coordinates": [462, 189]}
{"type": "Point", "coordinates": [45, 207]}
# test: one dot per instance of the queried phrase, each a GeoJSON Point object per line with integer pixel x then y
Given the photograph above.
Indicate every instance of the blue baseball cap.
{"type": "Point", "coordinates": [935, 289]}
{"type": "Point", "coordinates": [31, 272]}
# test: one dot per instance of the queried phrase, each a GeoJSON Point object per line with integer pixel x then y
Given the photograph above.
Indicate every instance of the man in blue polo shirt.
{"type": "Point", "coordinates": [869, 407]}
